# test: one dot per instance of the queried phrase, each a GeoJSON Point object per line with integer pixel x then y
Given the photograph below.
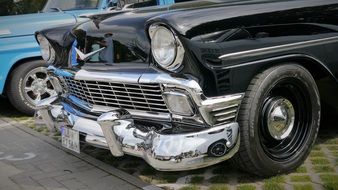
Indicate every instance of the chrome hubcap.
{"type": "Point", "coordinates": [37, 86]}
{"type": "Point", "coordinates": [280, 118]}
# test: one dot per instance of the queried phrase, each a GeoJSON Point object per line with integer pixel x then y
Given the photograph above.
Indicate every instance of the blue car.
{"type": "Point", "coordinates": [23, 76]}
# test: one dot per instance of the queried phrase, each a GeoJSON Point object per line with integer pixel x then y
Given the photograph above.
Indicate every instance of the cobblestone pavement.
{"type": "Point", "coordinates": [319, 171]}
{"type": "Point", "coordinates": [29, 162]}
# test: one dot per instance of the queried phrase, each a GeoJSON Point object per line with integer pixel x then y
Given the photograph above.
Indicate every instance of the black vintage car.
{"type": "Point", "coordinates": [195, 83]}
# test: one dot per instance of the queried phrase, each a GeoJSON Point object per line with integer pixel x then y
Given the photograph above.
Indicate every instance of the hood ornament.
{"type": "Point", "coordinates": [85, 57]}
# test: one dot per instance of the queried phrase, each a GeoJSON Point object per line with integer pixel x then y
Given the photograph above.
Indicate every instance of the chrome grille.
{"type": "Point", "coordinates": [225, 114]}
{"type": "Point", "coordinates": [143, 97]}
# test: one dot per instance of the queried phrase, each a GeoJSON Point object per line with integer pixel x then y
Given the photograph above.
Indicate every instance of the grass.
{"type": "Point", "coordinates": [274, 183]}
{"type": "Point", "coordinates": [219, 179]}
{"type": "Point", "coordinates": [196, 179]}
{"type": "Point", "coordinates": [301, 169]}
{"type": "Point", "coordinates": [303, 187]}
{"type": "Point", "coordinates": [218, 187]}
{"type": "Point", "coordinates": [316, 147]}
{"type": "Point", "coordinates": [332, 147]}
{"type": "Point", "coordinates": [323, 169]}
{"type": "Point", "coordinates": [273, 186]}
{"type": "Point", "coordinates": [300, 178]}
{"type": "Point", "coordinates": [319, 161]}
{"type": "Point", "coordinates": [332, 141]}
{"type": "Point", "coordinates": [330, 181]}
{"type": "Point", "coordinates": [335, 153]}
{"type": "Point", "coordinates": [276, 179]}
{"type": "Point", "coordinates": [190, 187]}
{"type": "Point", "coordinates": [317, 153]}
{"type": "Point", "coordinates": [246, 187]}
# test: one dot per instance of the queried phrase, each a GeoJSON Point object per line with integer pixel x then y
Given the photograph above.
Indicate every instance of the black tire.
{"type": "Point", "coordinates": [15, 87]}
{"type": "Point", "coordinates": [262, 154]}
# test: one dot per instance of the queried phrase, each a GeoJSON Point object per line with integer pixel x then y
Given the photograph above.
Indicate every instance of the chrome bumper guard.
{"type": "Point", "coordinates": [115, 130]}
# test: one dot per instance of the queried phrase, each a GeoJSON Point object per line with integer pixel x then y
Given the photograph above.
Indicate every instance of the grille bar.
{"type": "Point", "coordinates": [143, 97]}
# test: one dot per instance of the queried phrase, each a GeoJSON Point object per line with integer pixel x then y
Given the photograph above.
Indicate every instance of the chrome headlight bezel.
{"type": "Point", "coordinates": [47, 51]}
{"type": "Point", "coordinates": [176, 59]}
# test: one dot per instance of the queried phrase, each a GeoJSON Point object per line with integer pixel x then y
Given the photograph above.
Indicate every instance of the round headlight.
{"type": "Point", "coordinates": [47, 52]}
{"type": "Point", "coordinates": [164, 47]}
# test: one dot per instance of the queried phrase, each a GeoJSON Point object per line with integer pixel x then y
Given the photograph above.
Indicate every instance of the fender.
{"type": "Point", "coordinates": [240, 82]}
{"type": "Point", "coordinates": [14, 50]}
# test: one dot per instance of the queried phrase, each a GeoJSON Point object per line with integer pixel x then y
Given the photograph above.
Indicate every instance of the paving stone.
{"type": "Point", "coordinates": [50, 168]}
{"type": "Point", "coordinates": [51, 184]}
{"type": "Point", "coordinates": [73, 184]}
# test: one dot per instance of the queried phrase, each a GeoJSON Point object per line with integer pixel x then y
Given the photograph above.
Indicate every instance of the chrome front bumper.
{"type": "Point", "coordinates": [116, 130]}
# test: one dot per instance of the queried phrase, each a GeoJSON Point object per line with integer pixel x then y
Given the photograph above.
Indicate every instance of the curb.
{"type": "Point", "coordinates": [86, 158]}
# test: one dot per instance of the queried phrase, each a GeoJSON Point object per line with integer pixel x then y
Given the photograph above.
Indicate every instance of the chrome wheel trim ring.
{"type": "Point", "coordinates": [36, 86]}
{"type": "Point", "coordinates": [280, 118]}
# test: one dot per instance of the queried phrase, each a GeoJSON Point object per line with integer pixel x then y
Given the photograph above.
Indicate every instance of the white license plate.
{"type": "Point", "coordinates": [70, 139]}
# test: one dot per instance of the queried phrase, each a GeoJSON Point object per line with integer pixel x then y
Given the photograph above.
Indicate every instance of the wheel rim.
{"type": "Point", "coordinates": [285, 119]}
{"type": "Point", "coordinates": [280, 117]}
{"type": "Point", "coordinates": [37, 86]}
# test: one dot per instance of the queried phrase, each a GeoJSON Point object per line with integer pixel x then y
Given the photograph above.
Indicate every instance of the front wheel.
{"type": "Point", "coordinates": [279, 120]}
{"type": "Point", "coordinates": [28, 84]}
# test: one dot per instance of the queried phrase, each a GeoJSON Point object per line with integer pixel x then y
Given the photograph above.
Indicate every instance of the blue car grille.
{"type": "Point", "coordinates": [143, 97]}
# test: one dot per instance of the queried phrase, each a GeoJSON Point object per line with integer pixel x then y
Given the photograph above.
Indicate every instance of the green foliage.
{"type": "Point", "coordinates": [300, 178]}
{"type": "Point", "coordinates": [273, 186]}
{"type": "Point", "coordinates": [301, 169]}
{"type": "Point", "coordinates": [323, 169]}
{"type": "Point", "coordinates": [319, 161]}
{"type": "Point", "coordinates": [303, 187]}
{"type": "Point", "coordinates": [276, 179]}
{"type": "Point", "coordinates": [219, 187]}
{"type": "Point", "coordinates": [8, 7]}
{"type": "Point", "coordinates": [246, 187]}
{"type": "Point", "coordinates": [190, 187]}
{"type": "Point", "coordinates": [330, 181]}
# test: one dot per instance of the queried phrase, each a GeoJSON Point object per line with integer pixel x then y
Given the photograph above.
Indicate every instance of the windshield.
{"type": "Point", "coordinates": [64, 5]}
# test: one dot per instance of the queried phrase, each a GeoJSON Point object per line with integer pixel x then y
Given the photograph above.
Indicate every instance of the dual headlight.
{"type": "Point", "coordinates": [166, 48]}
{"type": "Point", "coordinates": [47, 51]}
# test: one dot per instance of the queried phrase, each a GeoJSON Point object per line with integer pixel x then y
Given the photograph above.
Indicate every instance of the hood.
{"type": "Point", "coordinates": [125, 32]}
{"type": "Point", "coordinates": [27, 24]}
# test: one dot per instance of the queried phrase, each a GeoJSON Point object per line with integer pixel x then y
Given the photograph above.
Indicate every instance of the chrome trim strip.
{"type": "Point", "coordinates": [5, 32]}
{"type": "Point", "coordinates": [273, 49]}
{"type": "Point", "coordinates": [125, 77]}
{"type": "Point", "coordinates": [279, 58]}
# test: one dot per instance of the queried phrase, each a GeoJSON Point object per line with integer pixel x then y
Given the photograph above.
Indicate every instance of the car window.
{"type": "Point", "coordinates": [64, 5]}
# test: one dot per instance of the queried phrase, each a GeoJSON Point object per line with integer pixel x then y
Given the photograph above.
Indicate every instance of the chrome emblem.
{"type": "Point", "coordinates": [85, 57]}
